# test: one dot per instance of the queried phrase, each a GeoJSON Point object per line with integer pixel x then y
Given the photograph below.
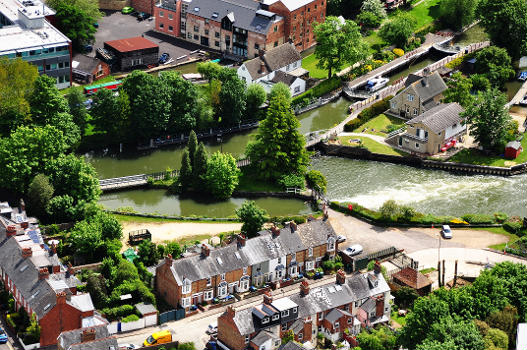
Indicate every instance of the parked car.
{"type": "Point", "coordinates": [355, 249]}
{"type": "Point", "coordinates": [142, 16]}
{"type": "Point", "coordinates": [127, 9]}
{"type": "Point", "coordinates": [88, 48]}
{"type": "Point", "coordinates": [164, 58]}
{"type": "Point", "coordinates": [161, 337]}
{"type": "Point", "coordinates": [127, 347]}
{"type": "Point", "coordinates": [341, 239]}
{"type": "Point", "coordinates": [3, 336]}
{"type": "Point", "coordinates": [212, 328]}
{"type": "Point", "coordinates": [446, 232]}
{"type": "Point", "coordinates": [318, 275]}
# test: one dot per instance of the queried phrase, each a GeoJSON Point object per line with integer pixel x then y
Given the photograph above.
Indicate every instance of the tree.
{"type": "Point", "coordinates": [253, 217]}
{"type": "Point", "coordinates": [183, 96]}
{"type": "Point", "coordinates": [346, 8]}
{"type": "Point", "coordinates": [46, 100]}
{"type": "Point", "coordinates": [185, 179]}
{"type": "Point", "coordinates": [495, 64]}
{"type": "Point", "coordinates": [506, 22]}
{"type": "Point", "coordinates": [78, 109]}
{"type": "Point", "coordinates": [222, 175]}
{"type": "Point", "coordinates": [110, 114]}
{"type": "Point", "coordinates": [437, 345]}
{"type": "Point", "coordinates": [398, 30]}
{"type": "Point", "coordinates": [375, 7]}
{"type": "Point", "coordinates": [368, 19]}
{"type": "Point", "coordinates": [505, 320]}
{"type": "Point", "coordinates": [26, 152]}
{"type": "Point", "coordinates": [456, 14]}
{"type": "Point", "coordinates": [199, 168]}
{"type": "Point", "coordinates": [90, 7]}
{"type": "Point", "coordinates": [458, 90]}
{"type": "Point", "coordinates": [209, 70]}
{"type": "Point", "coordinates": [17, 79]}
{"type": "Point", "coordinates": [192, 146]}
{"type": "Point", "coordinates": [390, 209]}
{"type": "Point", "coordinates": [110, 226]}
{"type": "Point", "coordinates": [86, 238]}
{"type": "Point", "coordinates": [462, 333]}
{"type": "Point", "coordinates": [377, 339]}
{"type": "Point", "coordinates": [338, 44]}
{"type": "Point", "coordinates": [496, 339]}
{"type": "Point", "coordinates": [39, 194]}
{"type": "Point", "coordinates": [316, 181]}
{"type": "Point", "coordinates": [280, 89]}
{"type": "Point", "coordinates": [279, 147]}
{"type": "Point", "coordinates": [148, 253]}
{"type": "Point", "coordinates": [255, 97]}
{"type": "Point", "coordinates": [75, 23]}
{"type": "Point", "coordinates": [232, 98]}
{"type": "Point", "coordinates": [480, 82]}
{"type": "Point", "coordinates": [62, 209]}
{"type": "Point", "coordinates": [488, 120]}
{"type": "Point", "coordinates": [405, 297]}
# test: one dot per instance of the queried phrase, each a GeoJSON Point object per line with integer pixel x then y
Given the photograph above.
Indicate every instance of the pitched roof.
{"type": "Point", "coordinates": [262, 337]}
{"type": "Point", "coordinates": [316, 233]}
{"type": "Point", "coordinates": [72, 340]}
{"type": "Point", "coordinates": [84, 63]}
{"type": "Point", "coordinates": [439, 117]}
{"type": "Point", "coordinates": [273, 59]}
{"type": "Point", "coordinates": [290, 4]}
{"type": "Point", "coordinates": [429, 86]}
{"type": "Point", "coordinates": [412, 278]}
{"type": "Point", "coordinates": [283, 77]}
{"type": "Point", "coordinates": [242, 13]}
{"type": "Point", "coordinates": [131, 44]}
{"type": "Point", "coordinates": [514, 144]}
{"type": "Point", "coordinates": [291, 345]}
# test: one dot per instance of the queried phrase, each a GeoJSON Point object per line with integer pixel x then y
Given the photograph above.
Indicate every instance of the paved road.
{"type": "Point", "coordinates": [9, 344]}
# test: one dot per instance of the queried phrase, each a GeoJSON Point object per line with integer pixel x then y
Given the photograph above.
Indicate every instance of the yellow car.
{"type": "Point", "coordinates": [161, 337]}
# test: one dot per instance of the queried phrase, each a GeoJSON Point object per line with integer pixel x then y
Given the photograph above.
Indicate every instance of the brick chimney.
{"type": "Point", "coordinates": [24, 224]}
{"type": "Point", "coordinates": [304, 288]}
{"type": "Point", "coordinates": [43, 273]}
{"type": "Point", "coordinates": [26, 252]}
{"type": "Point", "coordinates": [205, 250]}
{"type": "Point", "coordinates": [275, 230]}
{"type": "Point", "coordinates": [70, 271]}
{"type": "Point", "coordinates": [88, 335]}
{"type": "Point", "coordinates": [168, 260]}
{"type": "Point", "coordinates": [341, 277]}
{"type": "Point", "coordinates": [262, 68]}
{"type": "Point", "coordinates": [61, 298]}
{"type": "Point", "coordinates": [377, 267]}
{"type": "Point", "coordinates": [11, 230]}
{"type": "Point", "coordinates": [230, 311]}
{"type": "Point", "coordinates": [268, 298]}
{"type": "Point", "coordinates": [379, 306]}
{"type": "Point", "coordinates": [293, 226]}
{"type": "Point", "coordinates": [241, 240]}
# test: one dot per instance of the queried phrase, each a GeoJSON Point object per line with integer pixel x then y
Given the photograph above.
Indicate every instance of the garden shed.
{"type": "Point", "coordinates": [513, 149]}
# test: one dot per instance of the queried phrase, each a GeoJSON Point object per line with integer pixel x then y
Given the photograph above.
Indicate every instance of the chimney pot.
{"type": "Point", "coordinates": [43, 273]}
{"type": "Point", "coordinates": [24, 224]}
{"type": "Point", "coordinates": [11, 230]}
{"type": "Point", "coordinates": [377, 267]}
{"type": "Point", "coordinates": [341, 277]}
{"type": "Point", "coordinates": [61, 298]}
{"type": "Point", "coordinates": [304, 288]}
{"type": "Point", "coordinates": [168, 259]}
{"type": "Point", "coordinates": [205, 251]}
{"type": "Point", "coordinates": [26, 252]}
{"type": "Point", "coordinates": [241, 240]}
{"type": "Point", "coordinates": [230, 311]}
{"type": "Point", "coordinates": [268, 298]}
{"type": "Point", "coordinates": [88, 335]}
{"type": "Point", "coordinates": [275, 230]}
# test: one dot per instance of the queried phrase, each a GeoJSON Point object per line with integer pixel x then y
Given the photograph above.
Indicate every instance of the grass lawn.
{"type": "Point", "coordinates": [428, 270]}
{"type": "Point", "coordinates": [399, 319]}
{"type": "Point", "coordinates": [373, 39]}
{"type": "Point", "coordinates": [372, 145]}
{"type": "Point", "coordinates": [141, 219]}
{"type": "Point", "coordinates": [425, 13]}
{"type": "Point", "coordinates": [474, 156]}
{"type": "Point", "coordinates": [475, 34]}
{"type": "Point", "coordinates": [251, 183]}
{"type": "Point", "coordinates": [310, 63]}
{"type": "Point", "coordinates": [379, 124]}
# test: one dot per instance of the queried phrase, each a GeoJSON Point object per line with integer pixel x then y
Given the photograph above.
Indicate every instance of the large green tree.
{"type": "Point", "coordinates": [456, 14]}
{"type": "Point", "coordinates": [222, 175]}
{"type": "Point", "coordinates": [338, 44]}
{"type": "Point", "coordinates": [90, 7]}
{"type": "Point", "coordinates": [488, 120]}
{"type": "Point", "coordinates": [495, 64]}
{"type": "Point", "coordinates": [75, 23]}
{"type": "Point", "coordinates": [199, 167]}
{"type": "Point", "coordinates": [462, 333]}
{"type": "Point", "coordinates": [375, 7]}
{"type": "Point", "coordinates": [459, 88]}
{"type": "Point", "coordinates": [252, 216]}
{"type": "Point", "coordinates": [46, 100]}
{"type": "Point", "coordinates": [398, 30]}
{"type": "Point", "coordinates": [280, 89]}
{"type": "Point", "coordinates": [506, 23]}
{"type": "Point", "coordinates": [77, 109]}
{"type": "Point", "coordinates": [232, 96]}
{"type": "Point", "coordinates": [39, 194]}
{"type": "Point", "coordinates": [17, 78]}
{"type": "Point", "coordinates": [192, 146]}
{"type": "Point", "coordinates": [255, 98]}
{"type": "Point", "coordinates": [377, 339]}
{"type": "Point", "coordinates": [209, 70]}
{"type": "Point", "coordinates": [86, 238]}
{"type": "Point", "coordinates": [185, 179]}
{"type": "Point", "coordinates": [183, 96]}
{"type": "Point", "coordinates": [110, 114]}
{"type": "Point", "coordinates": [279, 146]}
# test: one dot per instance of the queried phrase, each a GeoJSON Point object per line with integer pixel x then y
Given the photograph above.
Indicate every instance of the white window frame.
{"type": "Point", "coordinates": [187, 287]}
{"type": "Point", "coordinates": [223, 290]}
{"type": "Point", "coordinates": [293, 270]}
{"type": "Point", "coordinates": [275, 317]}
{"type": "Point", "coordinates": [310, 265]}
{"type": "Point", "coordinates": [161, 13]}
{"type": "Point", "coordinates": [310, 251]}
{"type": "Point", "coordinates": [265, 320]}
{"type": "Point", "coordinates": [410, 97]}
{"type": "Point", "coordinates": [209, 281]}
{"type": "Point", "coordinates": [245, 270]}
{"type": "Point", "coordinates": [244, 284]}
{"type": "Point", "coordinates": [208, 295]}
{"type": "Point", "coordinates": [284, 313]}
{"type": "Point", "coordinates": [331, 244]}
{"type": "Point", "coordinates": [394, 104]}
{"type": "Point", "coordinates": [222, 277]}
{"type": "Point", "coordinates": [247, 338]}
{"type": "Point", "coordinates": [185, 302]}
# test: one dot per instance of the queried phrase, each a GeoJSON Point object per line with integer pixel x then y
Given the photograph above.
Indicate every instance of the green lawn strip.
{"type": "Point", "coordinates": [428, 270]}
{"type": "Point", "coordinates": [310, 63]}
{"type": "Point", "coordinates": [474, 156]}
{"type": "Point", "coordinates": [497, 230]}
{"type": "Point", "coordinates": [249, 182]}
{"type": "Point", "coordinates": [425, 13]}
{"type": "Point", "coordinates": [372, 146]}
{"type": "Point", "coordinates": [141, 219]}
{"type": "Point", "coordinates": [399, 319]}
{"type": "Point", "coordinates": [475, 34]}
{"type": "Point", "coordinates": [373, 39]}
{"type": "Point", "coordinates": [379, 123]}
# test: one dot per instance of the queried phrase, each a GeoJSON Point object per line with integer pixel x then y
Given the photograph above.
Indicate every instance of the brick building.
{"type": "Point", "coordinates": [87, 69]}
{"type": "Point", "coordinates": [89, 338]}
{"type": "Point", "coordinates": [271, 257]}
{"type": "Point", "coordinates": [146, 6]}
{"type": "Point", "coordinates": [240, 29]}
{"type": "Point", "coordinates": [133, 52]}
{"type": "Point", "coordinates": [333, 309]}
{"type": "Point", "coordinates": [33, 274]}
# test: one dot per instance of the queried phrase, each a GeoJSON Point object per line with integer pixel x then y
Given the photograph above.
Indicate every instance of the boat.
{"type": "Point", "coordinates": [376, 84]}
{"type": "Point", "coordinates": [522, 76]}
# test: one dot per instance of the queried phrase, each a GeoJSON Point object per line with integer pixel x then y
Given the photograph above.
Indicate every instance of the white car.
{"type": "Point", "coordinates": [341, 239]}
{"type": "Point", "coordinates": [446, 232]}
{"type": "Point", "coordinates": [213, 328]}
{"type": "Point", "coordinates": [355, 249]}
{"type": "Point", "coordinates": [127, 347]}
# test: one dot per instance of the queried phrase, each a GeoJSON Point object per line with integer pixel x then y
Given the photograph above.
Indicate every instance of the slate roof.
{"type": "Point", "coordinates": [241, 12]}
{"type": "Point", "coordinates": [316, 233]}
{"type": "Point", "coordinates": [335, 315]}
{"type": "Point", "coordinates": [82, 302]}
{"type": "Point", "coordinates": [291, 345]}
{"type": "Point", "coordinates": [283, 77]}
{"type": "Point", "coordinates": [233, 257]}
{"type": "Point", "coordinates": [262, 337]}
{"type": "Point", "coordinates": [439, 117]}
{"type": "Point", "coordinates": [429, 86]}
{"type": "Point", "coordinates": [412, 278]}
{"type": "Point", "coordinates": [273, 59]}
{"type": "Point", "coordinates": [361, 287]}
{"type": "Point", "coordinates": [145, 309]}
{"type": "Point", "coordinates": [71, 340]}
{"type": "Point", "coordinates": [84, 63]}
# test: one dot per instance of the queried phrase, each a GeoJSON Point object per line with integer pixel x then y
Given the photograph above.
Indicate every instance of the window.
{"type": "Point", "coordinates": [295, 16]}
{"type": "Point", "coordinates": [426, 134]}
{"type": "Point", "coordinates": [293, 270]}
{"type": "Point", "coordinates": [189, 35]}
{"type": "Point", "coordinates": [247, 339]}
{"type": "Point", "coordinates": [206, 32]}
{"type": "Point", "coordinates": [196, 28]}
{"type": "Point", "coordinates": [400, 141]}
{"type": "Point", "coordinates": [275, 43]}
{"type": "Point", "coordinates": [54, 66]}
{"type": "Point", "coordinates": [415, 111]}
{"type": "Point", "coordinates": [223, 277]}
{"type": "Point", "coordinates": [222, 290]}
{"type": "Point", "coordinates": [245, 270]}
{"type": "Point", "coordinates": [170, 28]}
{"type": "Point", "coordinates": [393, 104]}
{"type": "Point", "coordinates": [295, 310]}
{"type": "Point", "coordinates": [217, 35]}
{"type": "Point", "coordinates": [321, 316]}
{"type": "Point", "coordinates": [410, 97]}
{"type": "Point", "coordinates": [170, 16]}
{"type": "Point", "coordinates": [337, 324]}
{"type": "Point", "coordinates": [350, 320]}
{"type": "Point", "coordinates": [407, 109]}
{"type": "Point", "coordinates": [331, 244]}
{"type": "Point", "coordinates": [161, 13]}
{"type": "Point", "coordinates": [185, 302]}
{"type": "Point", "coordinates": [284, 327]}
{"type": "Point", "coordinates": [40, 68]}
{"type": "Point", "coordinates": [275, 317]}
{"type": "Point", "coordinates": [310, 265]}
{"type": "Point", "coordinates": [208, 295]}
{"type": "Point", "coordinates": [228, 40]}
{"type": "Point", "coordinates": [416, 145]}
{"type": "Point", "coordinates": [196, 37]}
{"type": "Point", "coordinates": [256, 46]}
{"type": "Point", "coordinates": [310, 251]}
{"type": "Point", "coordinates": [279, 260]}
{"type": "Point", "coordinates": [417, 132]}
{"type": "Point", "coordinates": [161, 25]}
{"type": "Point", "coordinates": [265, 320]}
{"type": "Point", "coordinates": [206, 21]}
{"type": "Point", "coordinates": [316, 7]}
{"type": "Point", "coordinates": [187, 287]}
{"type": "Point", "coordinates": [217, 43]}
{"type": "Point", "coordinates": [275, 29]}
{"type": "Point", "coordinates": [454, 126]}
{"type": "Point", "coordinates": [137, 61]}
{"type": "Point", "coordinates": [285, 313]}
{"type": "Point", "coordinates": [209, 281]}
{"type": "Point", "coordinates": [300, 336]}
{"type": "Point", "coordinates": [308, 9]}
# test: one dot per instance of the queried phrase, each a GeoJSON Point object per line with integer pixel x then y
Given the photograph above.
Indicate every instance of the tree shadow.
{"type": "Point", "coordinates": [434, 12]}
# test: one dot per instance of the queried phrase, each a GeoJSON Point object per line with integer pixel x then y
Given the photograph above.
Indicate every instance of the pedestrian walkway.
{"type": "Point", "coordinates": [377, 138]}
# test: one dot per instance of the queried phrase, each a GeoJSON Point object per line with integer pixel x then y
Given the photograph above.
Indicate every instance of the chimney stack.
{"type": "Point", "coordinates": [262, 67]}
{"type": "Point", "coordinates": [168, 260]}
{"type": "Point", "coordinates": [88, 335]}
{"type": "Point", "coordinates": [341, 277]}
{"type": "Point", "coordinates": [379, 306]}
{"type": "Point", "coordinates": [61, 298]}
{"type": "Point", "coordinates": [304, 288]}
{"type": "Point", "coordinates": [241, 240]}
{"type": "Point", "coordinates": [230, 311]}
{"type": "Point", "coordinates": [22, 205]}
{"type": "Point", "coordinates": [26, 252]}
{"type": "Point", "coordinates": [377, 267]}
{"type": "Point", "coordinates": [268, 298]}
{"type": "Point", "coordinates": [53, 249]}
{"type": "Point", "coordinates": [205, 251]}
{"type": "Point", "coordinates": [24, 224]}
{"type": "Point", "coordinates": [293, 226]}
{"type": "Point", "coordinates": [43, 273]}
{"type": "Point", "coordinates": [275, 230]}
{"type": "Point", "coordinates": [70, 272]}
{"type": "Point", "coordinates": [11, 230]}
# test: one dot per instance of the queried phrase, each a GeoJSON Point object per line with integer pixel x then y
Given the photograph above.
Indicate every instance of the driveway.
{"type": "Point", "coordinates": [114, 25]}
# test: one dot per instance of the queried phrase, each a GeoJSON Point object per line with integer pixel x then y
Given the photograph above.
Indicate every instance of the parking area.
{"type": "Point", "coordinates": [114, 26]}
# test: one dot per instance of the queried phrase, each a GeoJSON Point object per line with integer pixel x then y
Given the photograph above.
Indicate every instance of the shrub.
{"type": "Point", "coordinates": [390, 210]}
{"type": "Point", "coordinates": [398, 52]}
{"type": "Point", "coordinates": [352, 125]}
{"type": "Point", "coordinates": [455, 63]}
{"type": "Point", "coordinates": [117, 312]}
{"type": "Point", "coordinates": [500, 217]}
{"type": "Point", "coordinates": [316, 181]}
{"type": "Point", "coordinates": [513, 227]}
{"type": "Point", "coordinates": [478, 219]}
{"type": "Point", "coordinates": [130, 318]}
{"type": "Point", "coordinates": [326, 86]}
{"type": "Point", "coordinates": [292, 180]}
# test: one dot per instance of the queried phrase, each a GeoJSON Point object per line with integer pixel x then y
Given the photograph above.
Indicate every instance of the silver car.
{"type": "Point", "coordinates": [446, 232]}
{"type": "Point", "coordinates": [355, 249]}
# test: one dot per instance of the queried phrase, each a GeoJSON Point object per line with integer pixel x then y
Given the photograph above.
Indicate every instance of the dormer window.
{"type": "Point", "coordinates": [285, 313]}
{"type": "Point", "coordinates": [265, 320]}
{"type": "Point", "coordinates": [410, 97]}
{"type": "Point", "coordinates": [275, 317]}
{"type": "Point", "coordinates": [295, 310]}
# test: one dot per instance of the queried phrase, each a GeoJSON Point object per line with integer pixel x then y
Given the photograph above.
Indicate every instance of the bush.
{"type": "Point", "coordinates": [117, 312]}
{"type": "Point", "coordinates": [513, 227]}
{"type": "Point", "coordinates": [326, 86]}
{"type": "Point", "coordinates": [130, 318]}
{"type": "Point", "coordinates": [500, 217]}
{"type": "Point", "coordinates": [283, 219]}
{"type": "Point", "coordinates": [398, 52]}
{"type": "Point", "coordinates": [316, 181]}
{"type": "Point", "coordinates": [478, 219]}
{"type": "Point", "coordinates": [292, 180]}
{"type": "Point", "coordinates": [455, 62]}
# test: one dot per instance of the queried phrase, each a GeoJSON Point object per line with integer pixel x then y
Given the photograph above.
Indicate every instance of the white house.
{"type": "Point", "coordinates": [280, 64]}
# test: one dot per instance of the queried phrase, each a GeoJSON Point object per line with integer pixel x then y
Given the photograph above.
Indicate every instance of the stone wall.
{"type": "Point", "coordinates": [116, 5]}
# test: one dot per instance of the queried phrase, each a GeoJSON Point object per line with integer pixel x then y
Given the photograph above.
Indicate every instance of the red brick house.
{"type": "Point", "coordinates": [272, 256]}
{"type": "Point", "coordinates": [409, 277]}
{"type": "Point", "coordinates": [33, 274]}
{"type": "Point", "coordinates": [87, 69]}
{"type": "Point", "coordinates": [330, 309]}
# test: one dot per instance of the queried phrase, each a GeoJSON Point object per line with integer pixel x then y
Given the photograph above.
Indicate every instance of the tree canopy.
{"type": "Point", "coordinates": [75, 23]}
{"type": "Point", "coordinates": [222, 175]}
{"type": "Point", "coordinates": [495, 64]}
{"type": "Point", "coordinates": [375, 7]}
{"type": "Point", "coordinates": [398, 30]}
{"type": "Point", "coordinates": [459, 88]}
{"type": "Point", "coordinates": [338, 44]}
{"type": "Point", "coordinates": [252, 216]}
{"type": "Point", "coordinates": [456, 14]}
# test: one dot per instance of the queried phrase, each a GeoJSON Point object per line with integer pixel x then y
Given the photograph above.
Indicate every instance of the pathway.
{"type": "Point", "coordinates": [519, 96]}
{"type": "Point", "coordinates": [377, 138]}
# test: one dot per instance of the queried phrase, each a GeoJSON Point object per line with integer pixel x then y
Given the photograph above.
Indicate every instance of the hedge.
{"type": "Point", "coordinates": [368, 113]}
{"type": "Point", "coordinates": [117, 312]}
{"type": "Point", "coordinates": [130, 318]}
{"type": "Point", "coordinates": [479, 219]}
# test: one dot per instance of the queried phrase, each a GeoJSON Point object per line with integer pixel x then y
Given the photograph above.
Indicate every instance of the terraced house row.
{"type": "Point", "coordinates": [272, 256]}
